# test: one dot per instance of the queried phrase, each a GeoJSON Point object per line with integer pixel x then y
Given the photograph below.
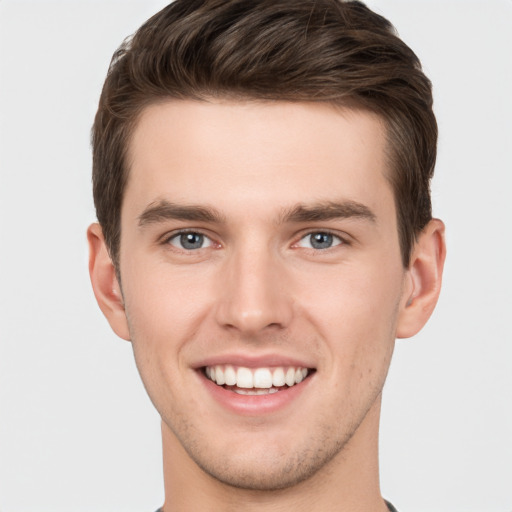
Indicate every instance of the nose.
{"type": "Point", "coordinates": [253, 293]}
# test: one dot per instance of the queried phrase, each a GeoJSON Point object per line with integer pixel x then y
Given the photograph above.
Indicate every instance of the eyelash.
{"type": "Point", "coordinates": [167, 239]}
{"type": "Point", "coordinates": [342, 240]}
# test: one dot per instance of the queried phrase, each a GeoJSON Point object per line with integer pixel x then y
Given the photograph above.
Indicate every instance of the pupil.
{"type": "Point", "coordinates": [321, 240]}
{"type": "Point", "coordinates": [191, 240]}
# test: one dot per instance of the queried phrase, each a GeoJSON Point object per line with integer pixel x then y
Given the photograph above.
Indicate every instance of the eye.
{"type": "Point", "coordinates": [320, 240]}
{"type": "Point", "coordinates": [190, 241]}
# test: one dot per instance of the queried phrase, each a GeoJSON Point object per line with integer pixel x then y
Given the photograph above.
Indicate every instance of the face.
{"type": "Point", "coordinates": [262, 280]}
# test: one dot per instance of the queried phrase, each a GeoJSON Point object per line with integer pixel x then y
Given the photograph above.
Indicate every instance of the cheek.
{"type": "Point", "coordinates": [163, 304]}
{"type": "Point", "coordinates": [160, 313]}
{"type": "Point", "coordinates": [164, 311]}
{"type": "Point", "coordinates": [355, 309]}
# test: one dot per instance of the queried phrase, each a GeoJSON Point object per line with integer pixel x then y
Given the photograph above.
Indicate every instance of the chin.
{"type": "Point", "coordinates": [261, 476]}
{"type": "Point", "coordinates": [268, 466]}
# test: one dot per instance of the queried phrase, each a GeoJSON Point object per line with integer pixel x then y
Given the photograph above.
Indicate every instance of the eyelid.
{"type": "Point", "coordinates": [343, 238]}
{"type": "Point", "coordinates": [167, 237]}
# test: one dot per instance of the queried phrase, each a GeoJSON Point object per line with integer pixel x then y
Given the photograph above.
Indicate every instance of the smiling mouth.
{"type": "Point", "coordinates": [256, 381]}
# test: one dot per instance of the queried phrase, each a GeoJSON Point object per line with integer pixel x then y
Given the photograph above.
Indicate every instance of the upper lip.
{"type": "Point", "coordinates": [254, 360]}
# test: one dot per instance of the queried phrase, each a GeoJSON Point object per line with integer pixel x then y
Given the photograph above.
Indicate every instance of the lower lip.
{"type": "Point", "coordinates": [254, 405]}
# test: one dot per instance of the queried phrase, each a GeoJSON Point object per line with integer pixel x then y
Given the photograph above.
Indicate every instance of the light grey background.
{"type": "Point", "coordinates": [77, 432]}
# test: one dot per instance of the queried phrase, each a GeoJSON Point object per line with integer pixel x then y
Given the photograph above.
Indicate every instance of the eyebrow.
{"type": "Point", "coordinates": [328, 210]}
{"type": "Point", "coordinates": [164, 210]}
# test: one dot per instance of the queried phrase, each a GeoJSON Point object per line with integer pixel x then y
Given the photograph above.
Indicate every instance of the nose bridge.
{"type": "Point", "coordinates": [253, 296]}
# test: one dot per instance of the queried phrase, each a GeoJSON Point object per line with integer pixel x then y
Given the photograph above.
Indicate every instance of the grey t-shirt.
{"type": "Point", "coordinates": [391, 508]}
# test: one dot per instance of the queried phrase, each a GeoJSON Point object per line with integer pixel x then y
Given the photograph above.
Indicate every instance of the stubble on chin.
{"type": "Point", "coordinates": [268, 468]}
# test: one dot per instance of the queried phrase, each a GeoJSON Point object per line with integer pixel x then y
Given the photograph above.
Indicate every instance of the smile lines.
{"type": "Point", "coordinates": [261, 380]}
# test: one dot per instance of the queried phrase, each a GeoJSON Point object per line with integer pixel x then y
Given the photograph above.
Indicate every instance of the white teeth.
{"type": "Point", "coordinates": [290, 377]}
{"type": "Point", "coordinates": [266, 380]}
{"type": "Point", "coordinates": [269, 391]}
{"type": "Point", "coordinates": [278, 377]}
{"type": "Point", "coordinates": [219, 376]}
{"type": "Point", "coordinates": [230, 376]}
{"type": "Point", "coordinates": [244, 378]}
{"type": "Point", "coordinates": [262, 378]}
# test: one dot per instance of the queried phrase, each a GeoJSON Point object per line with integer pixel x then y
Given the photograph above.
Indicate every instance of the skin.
{"type": "Point", "coordinates": [258, 288]}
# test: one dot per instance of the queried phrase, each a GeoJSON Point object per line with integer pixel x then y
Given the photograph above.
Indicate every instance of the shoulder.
{"type": "Point", "coordinates": [390, 507]}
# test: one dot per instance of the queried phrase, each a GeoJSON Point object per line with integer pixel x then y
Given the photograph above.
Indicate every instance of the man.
{"type": "Point", "coordinates": [261, 180]}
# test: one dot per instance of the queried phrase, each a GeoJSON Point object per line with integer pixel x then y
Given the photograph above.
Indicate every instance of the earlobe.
{"type": "Point", "coordinates": [423, 280]}
{"type": "Point", "coordinates": [104, 282]}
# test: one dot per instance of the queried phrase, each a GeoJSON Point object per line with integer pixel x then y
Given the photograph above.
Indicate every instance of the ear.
{"type": "Point", "coordinates": [104, 282]}
{"type": "Point", "coordinates": [423, 280]}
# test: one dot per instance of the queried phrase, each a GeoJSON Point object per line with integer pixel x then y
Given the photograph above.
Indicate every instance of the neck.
{"type": "Point", "coordinates": [349, 482]}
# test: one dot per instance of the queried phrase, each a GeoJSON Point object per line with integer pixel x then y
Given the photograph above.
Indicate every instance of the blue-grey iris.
{"type": "Point", "coordinates": [321, 240]}
{"type": "Point", "coordinates": [191, 240]}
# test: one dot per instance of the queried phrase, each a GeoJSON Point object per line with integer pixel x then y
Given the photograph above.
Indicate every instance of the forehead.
{"type": "Point", "coordinates": [257, 154]}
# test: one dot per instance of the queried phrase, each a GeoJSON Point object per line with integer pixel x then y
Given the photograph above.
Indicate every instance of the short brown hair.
{"type": "Point", "coordinates": [291, 50]}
